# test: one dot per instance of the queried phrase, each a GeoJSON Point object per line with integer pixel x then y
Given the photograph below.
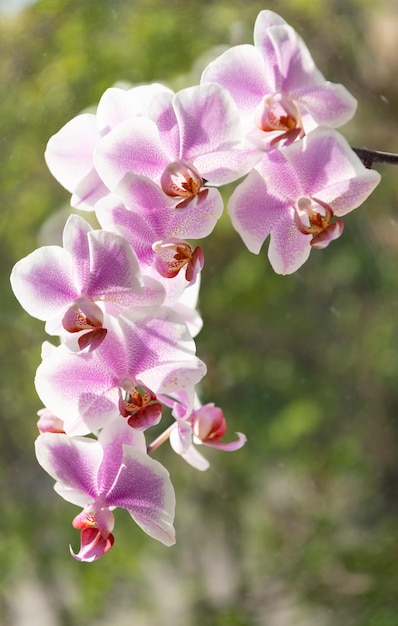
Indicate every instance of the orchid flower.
{"type": "Point", "coordinates": [279, 91]}
{"type": "Point", "coordinates": [188, 140]}
{"type": "Point", "coordinates": [69, 153]}
{"type": "Point", "coordinates": [293, 195]}
{"type": "Point", "coordinates": [145, 348]}
{"type": "Point", "coordinates": [157, 230]}
{"type": "Point", "coordinates": [202, 425]}
{"type": "Point", "coordinates": [102, 475]}
{"type": "Point", "coordinates": [63, 285]}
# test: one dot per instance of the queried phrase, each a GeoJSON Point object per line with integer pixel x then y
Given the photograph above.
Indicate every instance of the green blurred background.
{"type": "Point", "coordinates": [300, 528]}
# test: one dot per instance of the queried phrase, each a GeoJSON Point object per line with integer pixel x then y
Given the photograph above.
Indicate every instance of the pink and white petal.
{"type": "Point", "coordinates": [88, 192]}
{"type": "Point", "coordinates": [329, 104]}
{"type": "Point", "coordinates": [281, 174]}
{"type": "Point", "coordinates": [161, 111]}
{"type": "Point", "coordinates": [208, 120]}
{"type": "Point", "coordinates": [226, 166]}
{"type": "Point", "coordinates": [190, 316]}
{"type": "Point", "coordinates": [118, 105]}
{"type": "Point", "coordinates": [255, 210]}
{"type": "Point", "coordinates": [155, 336]}
{"type": "Point", "coordinates": [322, 159]}
{"type": "Point", "coordinates": [115, 274]}
{"type": "Point", "coordinates": [197, 219]}
{"type": "Point", "coordinates": [241, 71]}
{"type": "Point", "coordinates": [43, 282]}
{"type": "Point", "coordinates": [144, 488]}
{"type": "Point", "coordinates": [181, 437]}
{"type": "Point", "coordinates": [113, 437]}
{"type": "Point", "coordinates": [133, 146]}
{"type": "Point", "coordinates": [74, 240]}
{"type": "Point", "coordinates": [154, 293]}
{"type": "Point", "coordinates": [69, 153]}
{"type": "Point", "coordinates": [73, 463]}
{"type": "Point", "coordinates": [288, 64]}
{"type": "Point", "coordinates": [76, 388]}
{"type": "Point", "coordinates": [171, 377]}
{"type": "Point", "coordinates": [288, 248]}
{"type": "Point", "coordinates": [346, 195]}
{"type": "Point", "coordinates": [194, 458]}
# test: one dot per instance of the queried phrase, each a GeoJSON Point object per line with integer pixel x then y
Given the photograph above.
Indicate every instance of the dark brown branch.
{"type": "Point", "coordinates": [368, 157]}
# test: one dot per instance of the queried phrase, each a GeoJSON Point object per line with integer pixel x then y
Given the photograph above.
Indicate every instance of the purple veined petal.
{"type": "Point", "coordinates": [143, 487]}
{"type": "Point", "coordinates": [117, 105]}
{"type": "Point", "coordinates": [281, 172]}
{"type": "Point", "coordinates": [69, 153]}
{"type": "Point", "coordinates": [133, 146]}
{"type": "Point", "coordinates": [208, 120]}
{"type": "Point", "coordinates": [154, 293]}
{"type": "Point", "coordinates": [226, 166]}
{"type": "Point", "coordinates": [74, 239]}
{"type": "Point", "coordinates": [320, 160]}
{"type": "Point", "coordinates": [158, 347]}
{"type": "Point", "coordinates": [88, 192]}
{"type": "Point", "coordinates": [161, 111]}
{"type": "Point", "coordinates": [150, 215]}
{"type": "Point", "coordinates": [288, 248]}
{"type": "Point", "coordinates": [115, 274]}
{"type": "Point", "coordinates": [170, 377]}
{"type": "Point", "coordinates": [255, 210]}
{"type": "Point", "coordinates": [113, 437]}
{"type": "Point", "coordinates": [329, 104]}
{"type": "Point", "coordinates": [240, 70]}
{"type": "Point", "coordinates": [346, 195]}
{"type": "Point", "coordinates": [43, 282]}
{"type": "Point", "coordinates": [73, 463]}
{"type": "Point", "coordinates": [288, 64]}
{"type": "Point", "coordinates": [190, 316]}
{"type": "Point", "coordinates": [80, 388]}
{"type": "Point", "coordinates": [141, 212]}
{"type": "Point", "coordinates": [155, 336]}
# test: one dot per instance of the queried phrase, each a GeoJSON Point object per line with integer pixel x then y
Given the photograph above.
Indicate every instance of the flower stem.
{"type": "Point", "coordinates": [161, 439]}
{"type": "Point", "coordinates": [368, 157]}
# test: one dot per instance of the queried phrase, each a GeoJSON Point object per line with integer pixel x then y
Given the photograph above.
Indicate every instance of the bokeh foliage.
{"type": "Point", "coordinates": [299, 527]}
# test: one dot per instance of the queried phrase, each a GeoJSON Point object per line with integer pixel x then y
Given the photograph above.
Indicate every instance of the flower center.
{"type": "Point", "coordinates": [313, 217]}
{"type": "Point", "coordinates": [181, 179]}
{"type": "Point", "coordinates": [85, 315]}
{"type": "Point", "coordinates": [140, 405]}
{"type": "Point", "coordinates": [279, 112]}
{"type": "Point", "coordinates": [174, 254]}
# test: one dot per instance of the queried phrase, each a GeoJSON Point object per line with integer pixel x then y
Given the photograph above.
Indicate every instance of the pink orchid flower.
{"type": "Point", "coordinates": [279, 91]}
{"type": "Point", "coordinates": [293, 195]}
{"type": "Point", "coordinates": [157, 229]}
{"type": "Point", "coordinates": [203, 425]}
{"type": "Point", "coordinates": [64, 285]}
{"type": "Point", "coordinates": [188, 140]}
{"type": "Point", "coordinates": [69, 153]}
{"type": "Point", "coordinates": [113, 472]}
{"type": "Point", "coordinates": [144, 348]}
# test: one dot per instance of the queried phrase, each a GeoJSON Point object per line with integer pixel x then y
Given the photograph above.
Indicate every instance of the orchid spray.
{"type": "Point", "coordinates": [122, 298]}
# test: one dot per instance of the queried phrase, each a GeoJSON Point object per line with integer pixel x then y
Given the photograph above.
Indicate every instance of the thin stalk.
{"type": "Point", "coordinates": [161, 439]}
{"type": "Point", "coordinates": [368, 157]}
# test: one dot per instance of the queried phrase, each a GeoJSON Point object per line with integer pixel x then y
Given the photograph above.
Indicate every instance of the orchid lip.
{"type": "Point", "coordinates": [181, 179]}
